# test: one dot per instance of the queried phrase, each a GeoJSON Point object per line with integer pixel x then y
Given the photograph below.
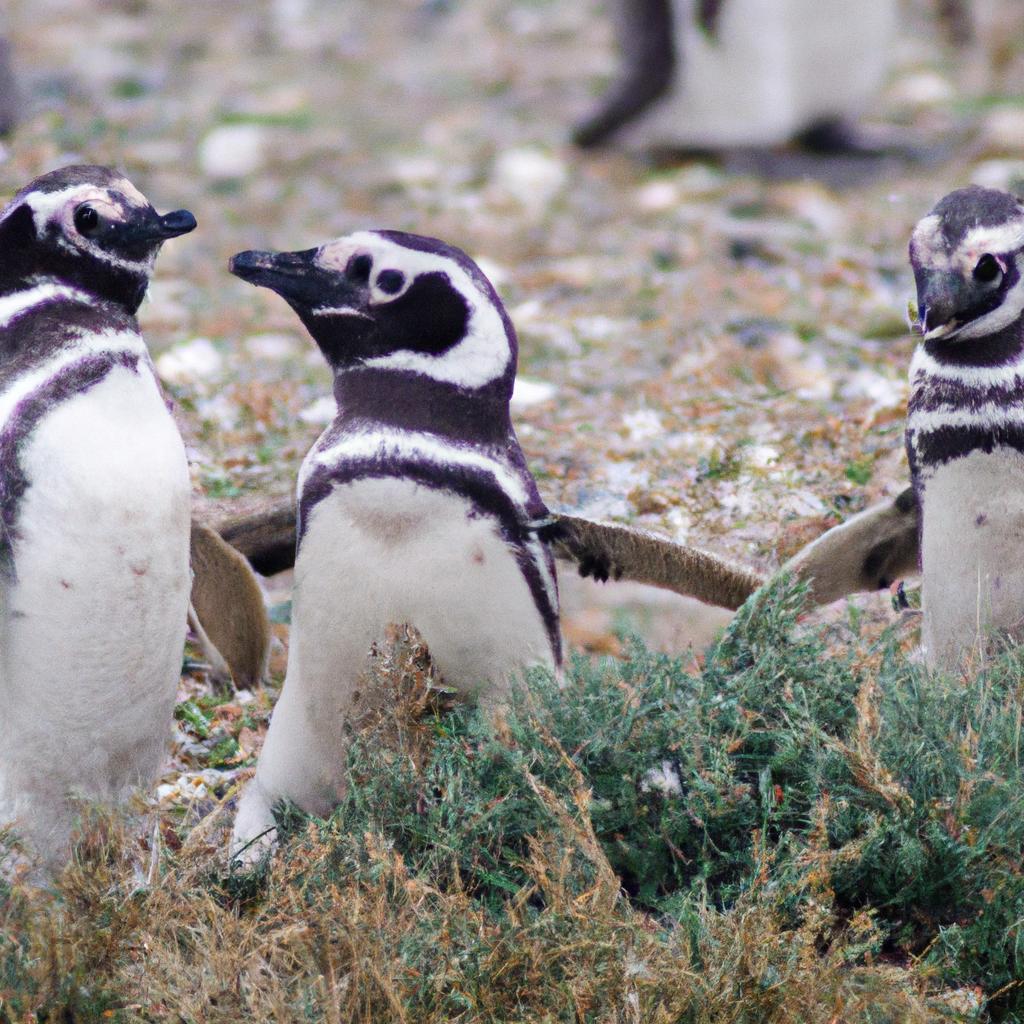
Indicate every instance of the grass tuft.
{"type": "Point", "coordinates": [795, 832]}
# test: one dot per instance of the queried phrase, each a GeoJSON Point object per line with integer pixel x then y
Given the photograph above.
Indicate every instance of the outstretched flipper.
{"type": "Point", "coordinates": [606, 550]}
{"type": "Point", "coordinates": [868, 552]}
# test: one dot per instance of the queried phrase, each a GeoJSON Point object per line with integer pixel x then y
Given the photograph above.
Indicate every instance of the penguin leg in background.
{"type": "Point", "coordinates": [646, 40]}
{"type": "Point", "coordinates": [227, 610]}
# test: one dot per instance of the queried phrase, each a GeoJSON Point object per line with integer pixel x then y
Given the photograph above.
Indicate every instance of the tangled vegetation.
{"type": "Point", "coordinates": [795, 832]}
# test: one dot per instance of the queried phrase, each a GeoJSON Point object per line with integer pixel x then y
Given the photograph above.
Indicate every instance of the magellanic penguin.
{"type": "Point", "coordinates": [965, 421]}
{"type": "Point", "coordinates": [752, 73]}
{"type": "Point", "coordinates": [94, 505]}
{"type": "Point", "coordinates": [415, 506]}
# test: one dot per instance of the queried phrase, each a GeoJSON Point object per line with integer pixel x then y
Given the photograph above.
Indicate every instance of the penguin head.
{"type": "Point", "coordinates": [87, 227]}
{"type": "Point", "coordinates": [394, 301]}
{"type": "Point", "coordinates": [967, 257]}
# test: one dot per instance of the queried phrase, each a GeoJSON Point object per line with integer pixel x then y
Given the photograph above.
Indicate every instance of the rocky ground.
{"type": "Point", "coordinates": [704, 352]}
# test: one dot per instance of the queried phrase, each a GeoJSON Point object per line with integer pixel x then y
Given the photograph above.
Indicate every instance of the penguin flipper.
{"type": "Point", "coordinates": [868, 552]}
{"type": "Point", "coordinates": [266, 537]}
{"type": "Point", "coordinates": [228, 609]}
{"type": "Point", "coordinates": [646, 41]}
{"type": "Point", "coordinates": [607, 550]}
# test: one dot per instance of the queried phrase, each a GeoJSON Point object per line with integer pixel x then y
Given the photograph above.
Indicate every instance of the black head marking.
{"type": "Point", "coordinates": [87, 227]}
{"type": "Point", "coordinates": [967, 208]}
{"type": "Point", "coordinates": [393, 301]}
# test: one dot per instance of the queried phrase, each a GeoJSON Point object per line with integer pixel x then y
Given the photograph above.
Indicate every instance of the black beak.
{"type": "Point", "coordinates": [267, 268]}
{"type": "Point", "coordinates": [940, 297]}
{"type": "Point", "coordinates": [296, 277]}
{"type": "Point", "coordinates": [178, 222]}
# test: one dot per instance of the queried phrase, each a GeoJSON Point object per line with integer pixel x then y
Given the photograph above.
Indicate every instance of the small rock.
{"type": "Point", "coordinates": [922, 89]}
{"type": "Point", "coordinates": [530, 177]}
{"type": "Point", "coordinates": [416, 170]}
{"type": "Point", "coordinates": [656, 197]}
{"type": "Point", "coordinates": [1003, 129]}
{"type": "Point", "coordinates": [321, 412]}
{"type": "Point", "coordinates": [1004, 174]}
{"type": "Point", "coordinates": [233, 151]}
{"type": "Point", "coordinates": [190, 361]}
{"type": "Point", "coordinates": [276, 347]}
{"type": "Point", "coordinates": [643, 425]}
{"type": "Point", "coordinates": [528, 392]}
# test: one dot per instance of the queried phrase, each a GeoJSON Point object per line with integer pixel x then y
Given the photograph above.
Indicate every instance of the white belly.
{"type": "Point", "coordinates": [972, 554]}
{"type": "Point", "coordinates": [379, 552]}
{"type": "Point", "coordinates": [91, 630]}
{"type": "Point", "coordinates": [777, 66]}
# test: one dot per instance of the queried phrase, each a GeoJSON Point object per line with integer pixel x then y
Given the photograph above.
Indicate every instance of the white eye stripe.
{"type": "Point", "coordinates": [483, 354]}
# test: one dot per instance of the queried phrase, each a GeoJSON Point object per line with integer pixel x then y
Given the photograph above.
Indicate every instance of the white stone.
{"type": "Point", "coordinates": [276, 347]}
{"type": "Point", "coordinates": [643, 425]}
{"type": "Point", "coordinates": [657, 197]}
{"type": "Point", "coordinates": [321, 412]}
{"type": "Point", "coordinates": [998, 173]}
{"type": "Point", "coordinates": [190, 361]}
{"type": "Point", "coordinates": [529, 176]}
{"type": "Point", "coordinates": [527, 392]}
{"type": "Point", "coordinates": [233, 151]}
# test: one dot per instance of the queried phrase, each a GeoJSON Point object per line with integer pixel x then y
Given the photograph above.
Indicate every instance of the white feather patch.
{"type": "Point", "coordinates": [13, 305]}
{"type": "Point", "coordinates": [399, 444]}
{"type": "Point", "coordinates": [482, 356]}
{"type": "Point", "coordinates": [83, 346]}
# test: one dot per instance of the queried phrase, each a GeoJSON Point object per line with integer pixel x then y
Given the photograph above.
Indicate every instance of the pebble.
{"type": "Point", "coordinates": [656, 197]}
{"type": "Point", "coordinates": [529, 176]}
{"type": "Point", "coordinates": [1003, 129]}
{"type": "Point", "coordinates": [1004, 174]}
{"type": "Point", "coordinates": [190, 361]}
{"type": "Point", "coordinates": [233, 151]}
{"type": "Point", "coordinates": [321, 412]}
{"type": "Point", "coordinates": [527, 392]}
{"type": "Point", "coordinates": [275, 347]}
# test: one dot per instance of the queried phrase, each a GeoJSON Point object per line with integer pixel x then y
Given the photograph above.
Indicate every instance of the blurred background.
{"type": "Point", "coordinates": [713, 346]}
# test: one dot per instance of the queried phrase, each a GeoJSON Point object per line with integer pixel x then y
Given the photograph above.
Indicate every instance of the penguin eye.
{"type": "Point", "coordinates": [390, 281]}
{"type": "Point", "coordinates": [359, 268]}
{"type": "Point", "coordinates": [87, 220]}
{"type": "Point", "coordinates": [987, 269]}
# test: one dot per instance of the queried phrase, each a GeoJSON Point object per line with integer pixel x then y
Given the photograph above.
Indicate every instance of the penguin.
{"type": "Point", "coordinates": [965, 422]}
{"type": "Point", "coordinates": [717, 74]}
{"type": "Point", "coordinates": [415, 506]}
{"type": "Point", "coordinates": [94, 506]}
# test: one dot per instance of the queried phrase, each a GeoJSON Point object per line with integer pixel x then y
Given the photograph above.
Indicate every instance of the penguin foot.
{"type": "Point", "coordinates": [255, 833]}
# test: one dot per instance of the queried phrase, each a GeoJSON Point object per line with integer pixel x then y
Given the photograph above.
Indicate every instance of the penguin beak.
{"type": "Point", "coordinates": [142, 233]}
{"type": "Point", "coordinates": [296, 277]}
{"type": "Point", "coordinates": [941, 296]}
{"type": "Point", "coordinates": [177, 222]}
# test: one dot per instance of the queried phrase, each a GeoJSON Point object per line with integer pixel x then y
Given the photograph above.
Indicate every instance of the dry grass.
{"type": "Point", "coordinates": [468, 879]}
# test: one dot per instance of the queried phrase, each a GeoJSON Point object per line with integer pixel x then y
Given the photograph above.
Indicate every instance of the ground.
{"type": "Point", "coordinates": [703, 352]}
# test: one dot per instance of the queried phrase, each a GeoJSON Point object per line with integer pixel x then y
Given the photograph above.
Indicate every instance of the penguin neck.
{"type": "Point", "coordinates": [125, 297]}
{"type": "Point", "coordinates": [1001, 348]}
{"type": "Point", "coordinates": [404, 400]}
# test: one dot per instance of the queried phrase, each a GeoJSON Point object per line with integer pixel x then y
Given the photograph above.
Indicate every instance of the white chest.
{"type": "Point", "coordinates": [972, 552]}
{"type": "Point", "coordinates": [93, 624]}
